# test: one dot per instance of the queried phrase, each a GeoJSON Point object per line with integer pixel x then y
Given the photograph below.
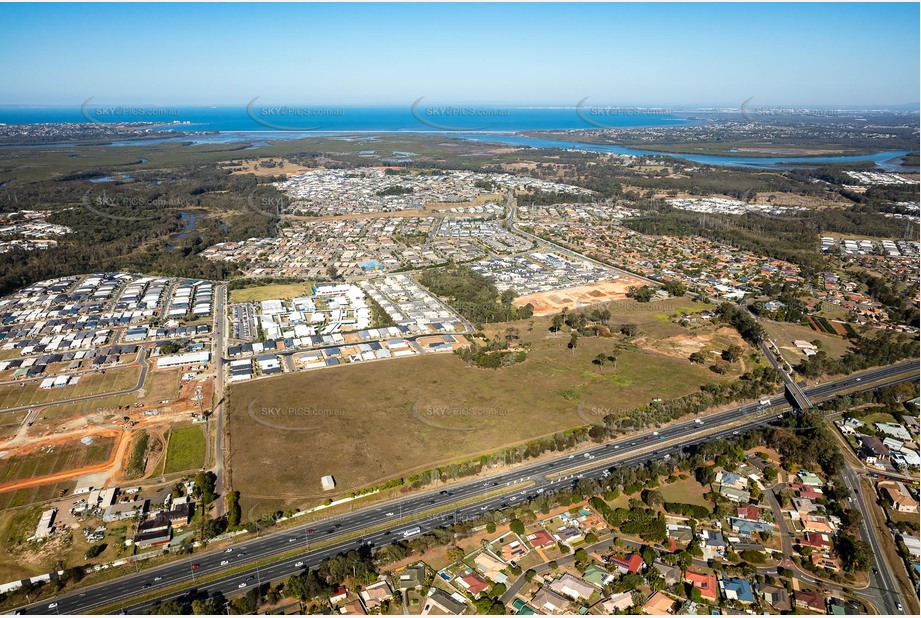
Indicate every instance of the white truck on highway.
{"type": "Point", "coordinates": [412, 532]}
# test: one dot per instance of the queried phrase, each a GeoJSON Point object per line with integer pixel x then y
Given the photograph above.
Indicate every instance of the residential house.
{"type": "Point", "coordinates": [659, 604]}
{"type": "Point", "coordinates": [826, 562]}
{"type": "Point", "coordinates": [541, 539]}
{"type": "Point", "coordinates": [572, 587]}
{"type": "Point", "coordinates": [671, 574]}
{"type": "Point", "coordinates": [514, 551]}
{"type": "Point", "coordinates": [412, 577]}
{"type": "Point", "coordinates": [776, 597]}
{"type": "Point", "coordinates": [597, 576]}
{"type": "Point", "coordinates": [618, 603]}
{"type": "Point", "coordinates": [550, 602]}
{"type": "Point", "coordinates": [873, 450]}
{"type": "Point", "coordinates": [339, 595]}
{"type": "Point", "coordinates": [898, 497]}
{"type": "Point", "coordinates": [703, 582]}
{"type": "Point", "coordinates": [439, 602]}
{"type": "Point", "coordinates": [809, 600]}
{"type": "Point", "coordinates": [737, 589]}
{"type": "Point", "coordinates": [490, 567]}
{"type": "Point", "coordinates": [375, 594]}
{"type": "Point", "coordinates": [472, 583]}
{"type": "Point", "coordinates": [353, 608]}
{"type": "Point", "coordinates": [630, 564]}
{"type": "Point", "coordinates": [749, 512]}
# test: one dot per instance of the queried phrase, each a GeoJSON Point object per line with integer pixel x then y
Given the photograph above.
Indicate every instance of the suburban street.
{"type": "Point", "coordinates": [401, 514]}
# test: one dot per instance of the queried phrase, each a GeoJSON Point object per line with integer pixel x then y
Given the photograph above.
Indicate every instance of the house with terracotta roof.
{"type": "Point", "coordinates": [514, 551]}
{"type": "Point", "coordinates": [375, 594]}
{"type": "Point", "coordinates": [749, 512]}
{"type": "Point", "coordinates": [898, 497]}
{"type": "Point", "coordinates": [659, 604]}
{"type": "Point", "coordinates": [816, 540]}
{"type": "Point", "coordinates": [490, 567]}
{"type": "Point", "coordinates": [353, 608]}
{"type": "Point", "coordinates": [472, 583]}
{"type": "Point", "coordinates": [541, 539]}
{"type": "Point", "coordinates": [817, 523]}
{"type": "Point", "coordinates": [703, 582]}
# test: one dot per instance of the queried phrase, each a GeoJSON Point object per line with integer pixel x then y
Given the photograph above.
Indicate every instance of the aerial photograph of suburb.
{"type": "Point", "coordinates": [460, 308]}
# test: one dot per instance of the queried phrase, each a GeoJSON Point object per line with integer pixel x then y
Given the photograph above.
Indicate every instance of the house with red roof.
{"type": "Point", "coordinates": [541, 539]}
{"type": "Point", "coordinates": [707, 585]}
{"type": "Point", "coordinates": [630, 564]}
{"type": "Point", "coordinates": [472, 583]}
{"type": "Point", "coordinates": [749, 512]}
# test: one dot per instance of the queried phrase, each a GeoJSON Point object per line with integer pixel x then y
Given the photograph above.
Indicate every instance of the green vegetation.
{"type": "Point", "coordinates": [882, 349]}
{"type": "Point", "coordinates": [379, 317]}
{"type": "Point", "coordinates": [473, 295]}
{"type": "Point", "coordinates": [186, 449]}
{"type": "Point", "coordinates": [137, 460]}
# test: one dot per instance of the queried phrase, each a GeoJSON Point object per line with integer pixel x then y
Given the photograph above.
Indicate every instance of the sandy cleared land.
{"type": "Point", "coordinates": [548, 303]}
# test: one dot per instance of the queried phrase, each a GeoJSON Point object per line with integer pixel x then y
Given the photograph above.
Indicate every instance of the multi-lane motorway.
{"type": "Point", "coordinates": [342, 531]}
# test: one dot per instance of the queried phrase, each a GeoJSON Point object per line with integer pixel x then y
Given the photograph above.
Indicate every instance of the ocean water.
{"type": "Point", "coordinates": [258, 124]}
{"type": "Point", "coordinates": [419, 117]}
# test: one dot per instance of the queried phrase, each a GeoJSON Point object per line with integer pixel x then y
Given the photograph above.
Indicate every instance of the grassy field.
{"type": "Point", "coordinates": [29, 393]}
{"type": "Point", "coordinates": [372, 422]}
{"type": "Point", "coordinates": [186, 450]}
{"type": "Point", "coordinates": [688, 492]}
{"type": "Point", "coordinates": [269, 292]}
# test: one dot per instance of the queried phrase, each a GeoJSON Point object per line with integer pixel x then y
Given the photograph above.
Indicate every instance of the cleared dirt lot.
{"type": "Point", "coordinates": [548, 303]}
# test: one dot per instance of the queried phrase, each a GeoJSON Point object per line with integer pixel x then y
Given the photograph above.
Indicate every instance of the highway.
{"type": "Point", "coordinates": [402, 514]}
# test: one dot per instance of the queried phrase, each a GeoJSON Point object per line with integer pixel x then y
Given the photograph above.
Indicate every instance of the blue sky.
{"type": "Point", "coordinates": [536, 54]}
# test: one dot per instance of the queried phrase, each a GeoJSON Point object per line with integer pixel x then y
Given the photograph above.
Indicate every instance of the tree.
{"type": "Point", "coordinates": [234, 513]}
{"type": "Point", "coordinates": [332, 272]}
{"type": "Point", "coordinates": [600, 359]}
{"type": "Point", "coordinates": [628, 330]}
{"type": "Point", "coordinates": [698, 357]}
{"type": "Point", "coordinates": [204, 486]}
{"type": "Point", "coordinates": [516, 526]}
{"type": "Point", "coordinates": [573, 340]}
{"type": "Point", "coordinates": [732, 353]}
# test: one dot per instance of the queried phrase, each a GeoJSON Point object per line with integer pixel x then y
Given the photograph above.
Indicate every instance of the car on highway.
{"type": "Point", "coordinates": [298, 564]}
{"type": "Point", "coordinates": [899, 606]}
{"type": "Point", "coordinates": [52, 605]}
{"type": "Point", "coordinates": [225, 562]}
{"type": "Point", "coordinates": [158, 578]}
{"type": "Point", "coordinates": [146, 585]}
{"type": "Point", "coordinates": [229, 550]}
{"type": "Point", "coordinates": [196, 565]}
{"type": "Point", "coordinates": [242, 585]}
{"type": "Point", "coordinates": [292, 539]}
{"type": "Point", "coordinates": [310, 531]}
